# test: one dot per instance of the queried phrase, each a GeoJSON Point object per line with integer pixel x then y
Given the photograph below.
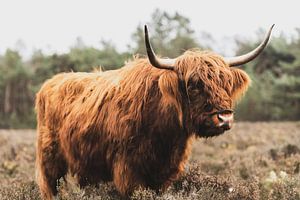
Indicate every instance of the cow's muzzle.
{"type": "Point", "coordinates": [223, 119]}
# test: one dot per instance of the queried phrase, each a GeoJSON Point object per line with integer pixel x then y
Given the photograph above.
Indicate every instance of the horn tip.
{"type": "Point", "coordinates": [272, 26]}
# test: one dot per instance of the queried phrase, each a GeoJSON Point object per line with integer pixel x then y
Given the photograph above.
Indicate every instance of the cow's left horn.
{"type": "Point", "coordinates": [239, 60]}
{"type": "Point", "coordinates": [157, 62]}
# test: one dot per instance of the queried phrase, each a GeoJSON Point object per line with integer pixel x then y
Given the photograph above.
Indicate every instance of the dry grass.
{"type": "Point", "coordinates": [252, 161]}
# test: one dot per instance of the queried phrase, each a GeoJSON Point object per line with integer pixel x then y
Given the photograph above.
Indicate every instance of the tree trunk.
{"type": "Point", "coordinates": [7, 104]}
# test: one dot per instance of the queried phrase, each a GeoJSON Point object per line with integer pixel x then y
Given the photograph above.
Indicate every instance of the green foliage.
{"type": "Point", "coordinates": [88, 58]}
{"type": "Point", "coordinates": [171, 35]}
{"type": "Point", "coordinates": [274, 95]}
{"type": "Point", "coordinates": [275, 92]}
{"type": "Point", "coordinates": [19, 81]}
{"type": "Point", "coordinates": [15, 96]}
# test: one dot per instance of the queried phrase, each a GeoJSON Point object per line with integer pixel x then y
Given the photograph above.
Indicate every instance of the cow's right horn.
{"type": "Point", "coordinates": [239, 60]}
{"type": "Point", "coordinates": [157, 62]}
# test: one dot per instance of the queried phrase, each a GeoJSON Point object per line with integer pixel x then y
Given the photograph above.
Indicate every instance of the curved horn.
{"type": "Point", "coordinates": [157, 62]}
{"type": "Point", "coordinates": [239, 60]}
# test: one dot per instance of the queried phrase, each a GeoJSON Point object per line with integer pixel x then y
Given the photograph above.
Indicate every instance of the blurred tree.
{"type": "Point", "coordinates": [16, 102]}
{"type": "Point", "coordinates": [287, 87]}
{"type": "Point", "coordinates": [87, 58]}
{"type": "Point", "coordinates": [170, 35]}
{"type": "Point", "coordinates": [271, 58]}
{"type": "Point", "coordinates": [274, 95]}
{"type": "Point", "coordinates": [275, 92]}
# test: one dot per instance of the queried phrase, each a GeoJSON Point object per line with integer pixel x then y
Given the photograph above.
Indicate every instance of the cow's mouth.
{"type": "Point", "coordinates": [216, 123]}
{"type": "Point", "coordinates": [205, 131]}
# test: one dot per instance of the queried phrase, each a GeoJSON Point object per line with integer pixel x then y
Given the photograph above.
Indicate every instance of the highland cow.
{"type": "Point", "coordinates": [135, 125]}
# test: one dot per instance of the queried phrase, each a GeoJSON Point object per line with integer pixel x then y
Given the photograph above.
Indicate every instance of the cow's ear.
{"type": "Point", "coordinates": [241, 82]}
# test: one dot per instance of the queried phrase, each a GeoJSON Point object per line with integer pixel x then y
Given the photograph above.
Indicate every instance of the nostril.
{"type": "Point", "coordinates": [225, 117]}
{"type": "Point", "coordinates": [220, 118]}
{"type": "Point", "coordinates": [225, 121]}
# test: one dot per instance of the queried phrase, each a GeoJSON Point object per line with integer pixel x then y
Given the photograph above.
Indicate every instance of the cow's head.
{"type": "Point", "coordinates": [211, 85]}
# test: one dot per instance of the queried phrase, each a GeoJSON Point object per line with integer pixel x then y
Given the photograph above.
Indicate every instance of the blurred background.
{"type": "Point", "coordinates": [39, 39]}
{"type": "Point", "coordinates": [258, 159]}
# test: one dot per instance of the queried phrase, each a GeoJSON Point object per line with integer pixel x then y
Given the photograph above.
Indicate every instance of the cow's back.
{"type": "Point", "coordinates": [61, 94]}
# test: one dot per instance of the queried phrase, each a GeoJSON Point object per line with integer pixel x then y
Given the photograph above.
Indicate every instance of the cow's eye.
{"type": "Point", "coordinates": [208, 108]}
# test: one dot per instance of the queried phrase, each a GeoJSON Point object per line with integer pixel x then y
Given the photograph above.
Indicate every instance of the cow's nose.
{"type": "Point", "coordinates": [226, 125]}
{"type": "Point", "coordinates": [225, 120]}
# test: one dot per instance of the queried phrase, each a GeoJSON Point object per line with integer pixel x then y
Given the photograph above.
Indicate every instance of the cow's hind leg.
{"type": "Point", "coordinates": [51, 165]}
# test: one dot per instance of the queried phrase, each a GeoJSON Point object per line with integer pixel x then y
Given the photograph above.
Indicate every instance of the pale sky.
{"type": "Point", "coordinates": [54, 25]}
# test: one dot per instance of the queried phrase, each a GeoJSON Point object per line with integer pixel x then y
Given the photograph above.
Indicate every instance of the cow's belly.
{"type": "Point", "coordinates": [87, 158]}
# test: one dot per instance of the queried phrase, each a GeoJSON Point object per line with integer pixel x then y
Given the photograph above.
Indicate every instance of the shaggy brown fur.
{"type": "Point", "coordinates": [133, 126]}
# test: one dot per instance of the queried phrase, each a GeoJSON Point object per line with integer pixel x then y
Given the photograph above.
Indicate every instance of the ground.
{"type": "Point", "coordinates": [252, 161]}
